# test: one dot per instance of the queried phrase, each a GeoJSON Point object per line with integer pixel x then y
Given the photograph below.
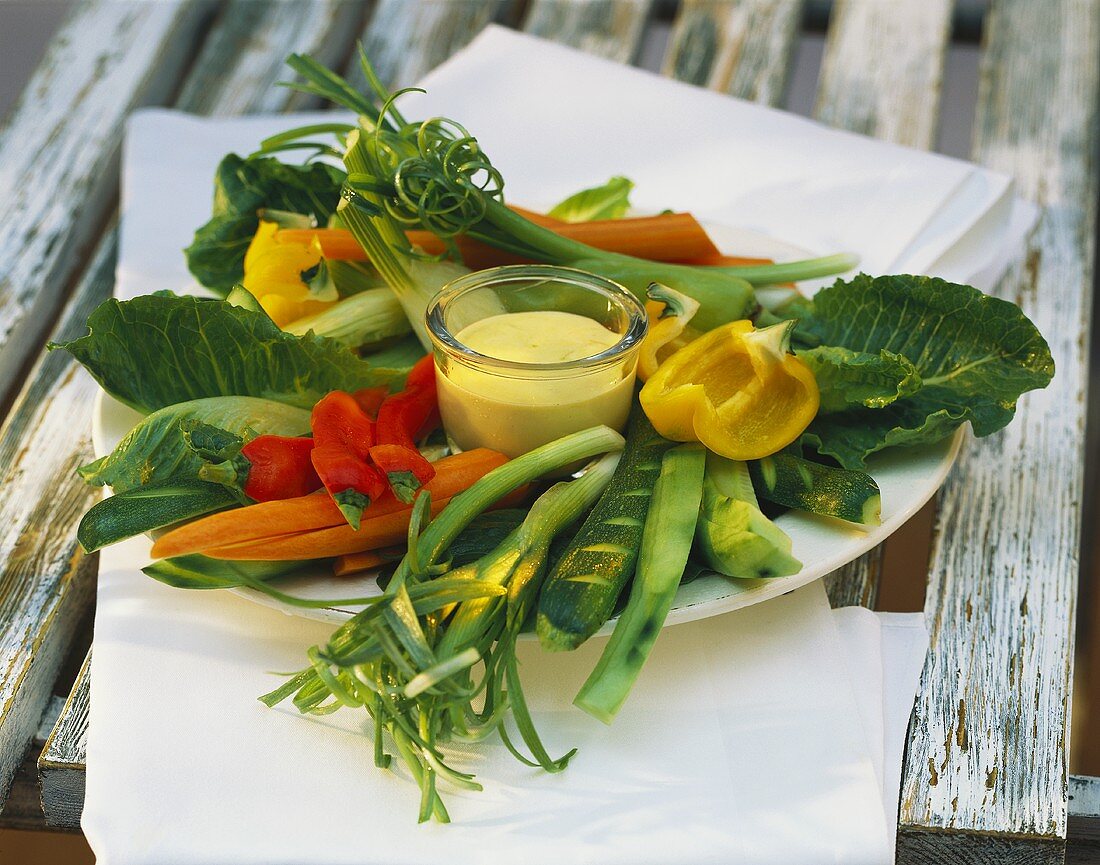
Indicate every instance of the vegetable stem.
{"type": "Point", "coordinates": [666, 543]}
{"type": "Point", "coordinates": [501, 481]}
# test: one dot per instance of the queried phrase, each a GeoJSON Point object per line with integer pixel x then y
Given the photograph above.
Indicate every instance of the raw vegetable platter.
{"type": "Point", "coordinates": [281, 432]}
{"type": "Point", "coordinates": [907, 479]}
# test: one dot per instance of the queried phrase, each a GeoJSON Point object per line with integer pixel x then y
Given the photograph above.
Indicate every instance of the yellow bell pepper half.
{"type": "Point", "coordinates": [669, 313]}
{"type": "Point", "coordinates": [273, 274]}
{"type": "Point", "coordinates": [736, 389]}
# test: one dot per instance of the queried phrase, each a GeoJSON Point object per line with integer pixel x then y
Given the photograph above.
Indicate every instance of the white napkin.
{"type": "Point", "coordinates": [741, 743]}
{"type": "Point", "coordinates": [726, 160]}
{"type": "Point", "coordinates": [766, 735]}
{"type": "Point", "coordinates": [885, 654]}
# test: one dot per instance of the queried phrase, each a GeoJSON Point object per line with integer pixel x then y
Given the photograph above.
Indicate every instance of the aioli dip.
{"type": "Point", "coordinates": [515, 411]}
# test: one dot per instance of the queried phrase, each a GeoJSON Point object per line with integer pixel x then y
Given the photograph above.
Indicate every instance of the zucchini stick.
{"type": "Point", "coordinates": [666, 543]}
{"type": "Point", "coordinates": [580, 593]}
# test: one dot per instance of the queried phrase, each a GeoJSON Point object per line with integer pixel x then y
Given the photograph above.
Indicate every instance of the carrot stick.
{"type": "Point", "coordinates": [255, 523]}
{"type": "Point", "coordinates": [729, 261]}
{"type": "Point", "coordinates": [386, 530]}
{"type": "Point", "coordinates": [356, 563]}
{"type": "Point", "coordinates": [666, 237]}
{"type": "Point", "coordinates": [538, 218]}
{"type": "Point", "coordinates": [380, 531]}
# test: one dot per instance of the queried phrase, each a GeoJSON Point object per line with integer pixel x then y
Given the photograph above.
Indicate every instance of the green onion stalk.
{"type": "Point", "coordinates": [434, 176]}
{"type": "Point", "coordinates": [430, 671]}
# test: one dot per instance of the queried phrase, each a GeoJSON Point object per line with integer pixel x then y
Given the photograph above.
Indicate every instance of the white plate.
{"type": "Point", "coordinates": [908, 478]}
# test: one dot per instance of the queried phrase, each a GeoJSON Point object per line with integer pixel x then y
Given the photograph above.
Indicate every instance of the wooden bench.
{"type": "Point", "coordinates": [986, 777]}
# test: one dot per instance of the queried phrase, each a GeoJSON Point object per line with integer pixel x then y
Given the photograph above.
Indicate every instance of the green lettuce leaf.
{"type": "Point", "coordinates": [161, 349]}
{"type": "Point", "coordinates": [610, 201]}
{"type": "Point", "coordinates": [160, 447]}
{"type": "Point", "coordinates": [974, 355]}
{"type": "Point", "coordinates": [244, 187]}
{"type": "Point", "coordinates": [199, 572]}
{"type": "Point", "coordinates": [849, 378]}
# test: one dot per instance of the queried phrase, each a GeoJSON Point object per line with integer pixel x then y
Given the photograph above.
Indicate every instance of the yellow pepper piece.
{"type": "Point", "coordinates": [735, 389]}
{"type": "Point", "coordinates": [669, 313]}
{"type": "Point", "coordinates": [273, 274]}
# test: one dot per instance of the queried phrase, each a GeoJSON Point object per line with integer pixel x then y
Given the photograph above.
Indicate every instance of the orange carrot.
{"type": "Point", "coordinates": [374, 533]}
{"type": "Point", "coordinates": [718, 260]}
{"type": "Point", "coordinates": [665, 237]}
{"type": "Point", "coordinates": [356, 563]}
{"type": "Point", "coordinates": [536, 217]}
{"type": "Point", "coordinates": [379, 531]}
{"type": "Point", "coordinates": [255, 523]}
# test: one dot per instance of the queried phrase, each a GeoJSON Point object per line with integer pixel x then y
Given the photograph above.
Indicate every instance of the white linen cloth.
{"type": "Point", "coordinates": [771, 734]}
{"type": "Point", "coordinates": [740, 743]}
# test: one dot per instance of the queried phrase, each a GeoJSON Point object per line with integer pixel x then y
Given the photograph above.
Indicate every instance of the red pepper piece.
{"type": "Point", "coordinates": [352, 482]}
{"type": "Point", "coordinates": [433, 421]}
{"type": "Point", "coordinates": [279, 468]}
{"type": "Point", "coordinates": [422, 374]}
{"type": "Point", "coordinates": [337, 419]}
{"type": "Point", "coordinates": [370, 398]}
{"type": "Point", "coordinates": [406, 470]}
{"type": "Point", "coordinates": [268, 468]}
{"type": "Point", "coordinates": [401, 418]}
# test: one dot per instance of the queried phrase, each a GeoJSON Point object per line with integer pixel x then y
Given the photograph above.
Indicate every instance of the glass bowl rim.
{"type": "Point", "coordinates": [630, 340]}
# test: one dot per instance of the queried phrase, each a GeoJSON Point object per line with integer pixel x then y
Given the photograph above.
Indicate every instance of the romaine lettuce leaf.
{"type": "Point", "coordinates": [244, 187]}
{"type": "Point", "coordinates": [610, 201]}
{"type": "Point", "coordinates": [849, 378]}
{"type": "Point", "coordinates": [974, 355]}
{"type": "Point", "coordinates": [161, 349]}
{"type": "Point", "coordinates": [158, 448]}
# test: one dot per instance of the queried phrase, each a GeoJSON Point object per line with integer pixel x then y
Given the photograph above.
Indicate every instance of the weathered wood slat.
{"type": "Point", "coordinates": [258, 36]}
{"type": "Point", "coordinates": [58, 152]}
{"type": "Point", "coordinates": [406, 38]}
{"type": "Point", "coordinates": [880, 76]}
{"type": "Point", "coordinates": [44, 579]}
{"type": "Point", "coordinates": [61, 765]}
{"type": "Point", "coordinates": [1083, 826]}
{"type": "Point", "coordinates": [986, 766]}
{"type": "Point", "coordinates": [883, 69]}
{"type": "Point", "coordinates": [46, 582]}
{"type": "Point", "coordinates": [742, 48]}
{"type": "Point", "coordinates": [22, 808]}
{"type": "Point", "coordinates": [609, 28]}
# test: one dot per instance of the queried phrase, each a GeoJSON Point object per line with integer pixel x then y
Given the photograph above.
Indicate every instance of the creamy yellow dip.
{"type": "Point", "coordinates": [514, 412]}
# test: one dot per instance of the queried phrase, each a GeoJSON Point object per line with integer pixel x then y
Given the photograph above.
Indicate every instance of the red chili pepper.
{"type": "Point", "coordinates": [406, 470]}
{"type": "Point", "coordinates": [352, 482]}
{"type": "Point", "coordinates": [338, 419]}
{"type": "Point", "coordinates": [279, 468]}
{"type": "Point", "coordinates": [422, 374]}
{"type": "Point", "coordinates": [370, 398]}
{"type": "Point", "coordinates": [402, 418]}
{"type": "Point", "coordinates": [267, 468]}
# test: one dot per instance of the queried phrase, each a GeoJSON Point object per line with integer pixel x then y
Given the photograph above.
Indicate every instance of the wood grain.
{"type": "Point", "coordinates": [407, 38]}
{"type": "Point", "coordinates": [1083, 825]}
{"type": "Point", "coordinates": [741, 48]}
{"type": "Point", "coordinates": [987, 751]}
{"type": "Point", "coordinates": [61, 764]}
{"type": "Point", "coordinates": [45, 582]}
{"type": "Point", "coordinates": [608, 28]}
{"type": "Point", "coordinates": [59, 148]}
{"type": "Point", "coordinates": [256, 38]}
{"type": "Point", "coordinates": [883, 69]}
{"type": "Point", "coordinates": [23, 806]}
